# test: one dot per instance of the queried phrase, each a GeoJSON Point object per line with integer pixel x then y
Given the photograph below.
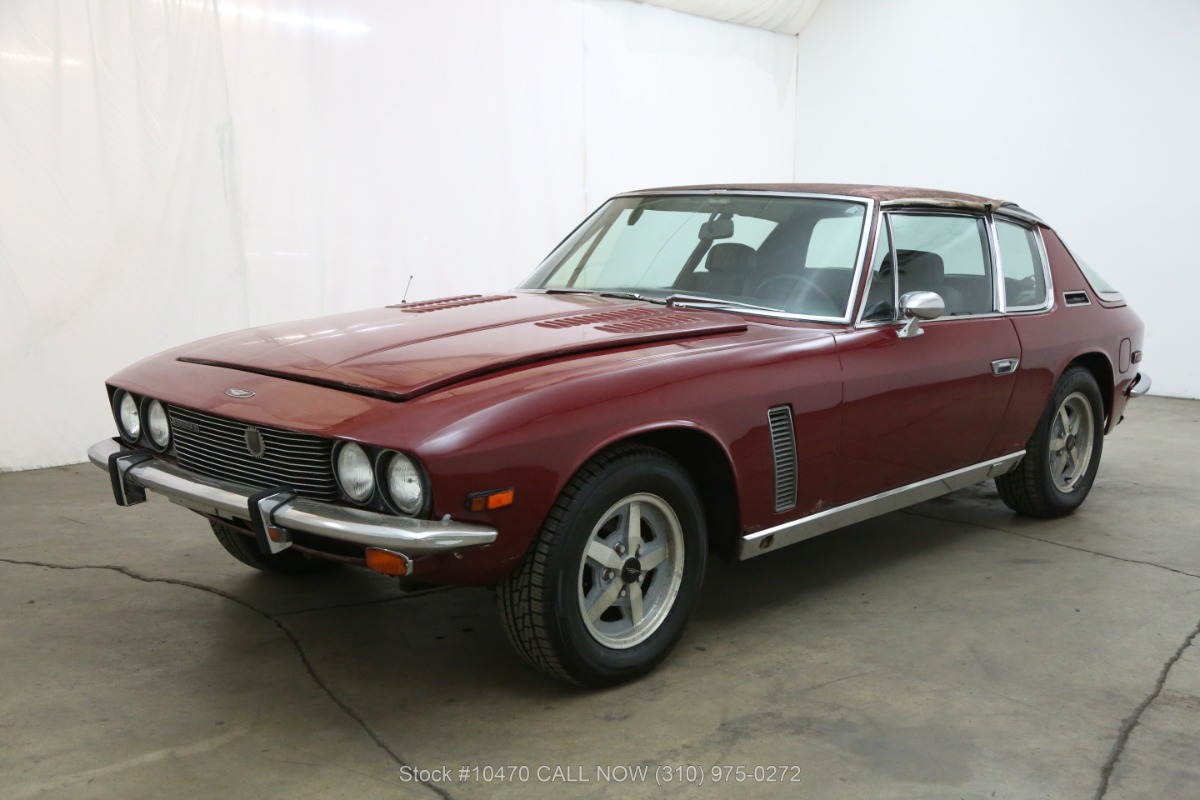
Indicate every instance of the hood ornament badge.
{"type": "Point", "coordinates": [239, 393]}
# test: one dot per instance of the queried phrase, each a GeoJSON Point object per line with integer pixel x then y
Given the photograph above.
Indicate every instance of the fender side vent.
{"type": "Point", "coordinates": [783, 447]}
{"type": "Point", "coordinates": [1076, 299]}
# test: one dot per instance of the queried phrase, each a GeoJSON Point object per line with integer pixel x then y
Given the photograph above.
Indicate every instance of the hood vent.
{"type": "Point", "coordinates": [625, 320]}
{"type": "Point", "coordinates": [426, 306]}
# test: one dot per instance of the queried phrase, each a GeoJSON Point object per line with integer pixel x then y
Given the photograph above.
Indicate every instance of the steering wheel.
{"type": "Point", "coordinates": [798, 294]}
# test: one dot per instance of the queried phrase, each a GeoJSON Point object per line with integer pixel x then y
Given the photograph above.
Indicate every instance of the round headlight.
{"type": "Point", "coordinates": [354, 472]}
{"type": "Point", "coordinates": [404, 484]}
{"type": "Point", "coordinates": [157, 425]}
{"type": "Point", "coordinates": [128, 418]}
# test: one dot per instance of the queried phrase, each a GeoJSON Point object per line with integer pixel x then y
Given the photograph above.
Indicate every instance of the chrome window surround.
{"type": "Point", "coordinates": [930, 211]}
{"type": "Point", "coordinates": [1000, 308]}
{"type": "Point", "coordinates": [868, 221]}
{"type": "Point", "coordinates": [1001, 299]}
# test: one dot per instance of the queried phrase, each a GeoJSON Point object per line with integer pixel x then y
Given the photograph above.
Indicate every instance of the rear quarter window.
{"type": "Point", "coordinates": [1022, 265]}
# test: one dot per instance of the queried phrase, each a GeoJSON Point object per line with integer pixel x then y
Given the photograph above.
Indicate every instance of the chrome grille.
{"type": "Point", "coordinates": [783, 447]}
{"type": "Point", "coordinates": [216, 447]}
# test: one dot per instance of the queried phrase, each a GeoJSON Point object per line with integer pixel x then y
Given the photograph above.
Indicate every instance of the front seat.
{"type": "Point", "coordinates": [921, 271]}
{"type": "Point", "coordinates": [729, 270]}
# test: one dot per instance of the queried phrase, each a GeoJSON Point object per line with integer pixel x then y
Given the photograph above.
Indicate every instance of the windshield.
{"type": "Point", "coordinates": [795, 255]}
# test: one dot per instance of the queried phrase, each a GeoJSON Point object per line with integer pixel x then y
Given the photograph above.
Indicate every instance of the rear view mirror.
{"type": "Point", "coordinates": [717, 229]}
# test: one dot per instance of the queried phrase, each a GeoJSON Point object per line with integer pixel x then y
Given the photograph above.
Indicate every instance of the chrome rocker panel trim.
{"type": "Point", "coordinates": [770, 539]}
{"type": "Point", "coordinates": [134, 472]}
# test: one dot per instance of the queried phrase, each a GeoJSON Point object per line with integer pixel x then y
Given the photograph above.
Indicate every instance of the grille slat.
{"type": "Point", "coordinates": [218, 449]}
{"type": "Point", "coordinates": [237, 450]}
{"type": "Point", "coordinates": [266, 477]}
{"type": "Point", "coordinates": [783, 449]}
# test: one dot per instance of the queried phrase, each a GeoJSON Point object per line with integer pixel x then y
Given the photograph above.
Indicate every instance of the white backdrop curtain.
{"type": "Point", "coordinates": [177, 168]}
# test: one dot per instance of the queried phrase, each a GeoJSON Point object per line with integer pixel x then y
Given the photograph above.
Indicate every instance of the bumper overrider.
{"type": "Point", "coordinates": [274, 513]}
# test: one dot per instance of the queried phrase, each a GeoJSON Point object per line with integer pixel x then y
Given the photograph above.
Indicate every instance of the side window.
{"type": "Point", "coordinates": [880, 303]}
{"type": "Point", "coordinates": [947, 254]}
{"type": "Point", "coordinates": [1021, 264]}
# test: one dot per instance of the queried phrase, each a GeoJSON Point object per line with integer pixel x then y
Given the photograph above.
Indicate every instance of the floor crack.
{"type": "Point", "coordinates": [362, 603]}
{"type": "Point", "coordinates": [973, 524]}
{"type": "Point", "coordinates": [346, 708]}
{"type": "Point", "coordinates": [1131, 722]}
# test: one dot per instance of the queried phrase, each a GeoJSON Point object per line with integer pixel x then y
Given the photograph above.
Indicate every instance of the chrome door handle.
{"type": "Point", "coordinates": [1005, 366]}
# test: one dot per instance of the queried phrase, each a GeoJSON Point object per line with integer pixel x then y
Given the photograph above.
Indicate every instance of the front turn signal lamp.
{"type": "Point", "coordinates": [388, 562]}
{"type": "Point", "coordinates": [490, 501]}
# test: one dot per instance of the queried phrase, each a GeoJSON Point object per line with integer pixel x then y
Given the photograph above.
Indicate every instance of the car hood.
{"type": "Point", "coordinates": [400, 352]}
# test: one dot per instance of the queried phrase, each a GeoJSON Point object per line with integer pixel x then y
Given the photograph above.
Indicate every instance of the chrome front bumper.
{"type": "Point", "coordinates": [274, 513]}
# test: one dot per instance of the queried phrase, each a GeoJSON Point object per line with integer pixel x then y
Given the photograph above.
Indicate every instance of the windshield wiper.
{"type": "Point", "coordinates": [614, 294]}
{"type": "Point", "coordinates": [633, 296]}
{"type": "Point", "coordinates": [690, 301]}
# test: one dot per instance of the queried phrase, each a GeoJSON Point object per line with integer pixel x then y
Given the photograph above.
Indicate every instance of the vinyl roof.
{"type": "Point", "coordinates": [887, 195]}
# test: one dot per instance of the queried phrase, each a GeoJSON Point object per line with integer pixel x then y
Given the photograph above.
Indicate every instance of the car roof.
{"type": "Point", "coordinates": [885, 195]}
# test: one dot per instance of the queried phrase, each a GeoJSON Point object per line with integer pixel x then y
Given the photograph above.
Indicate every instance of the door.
{"type": "Point", "coordinates": [918, 407]}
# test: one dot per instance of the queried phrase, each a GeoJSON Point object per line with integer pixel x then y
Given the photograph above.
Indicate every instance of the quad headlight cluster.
{"type": "Point", "coordinates": [367, 476]}
{"type": "Point", "coordinates": [142, 420]}
{"type": "Point", "coordinates": [393, 475]}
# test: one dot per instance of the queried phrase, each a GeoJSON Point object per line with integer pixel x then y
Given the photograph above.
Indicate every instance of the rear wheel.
{"type": "Point", "coordinates": [1063, 455]}
{"type": "Point", "coordinates": [605, 591]}
{"type": "Point", "coordinates": [245, 549]}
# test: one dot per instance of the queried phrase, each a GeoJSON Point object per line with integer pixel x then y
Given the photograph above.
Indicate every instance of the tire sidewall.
{"type": "Point", "coordinates": [582, 654]}
{"type": "Point", "coordinates": [1076, 380]}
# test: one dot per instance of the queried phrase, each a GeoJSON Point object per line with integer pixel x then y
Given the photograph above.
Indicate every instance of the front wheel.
{"type": "Point", "coordinates": [605, 591]}
{"type": "Point", "coordinates": [1063, 455]}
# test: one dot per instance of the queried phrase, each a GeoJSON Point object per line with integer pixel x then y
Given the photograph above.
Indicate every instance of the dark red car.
{"type": "Point", "coordinates": [728, 369]}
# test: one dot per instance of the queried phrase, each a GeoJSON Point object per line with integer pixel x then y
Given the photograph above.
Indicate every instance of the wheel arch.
{"type": "Point", "coordinates": [1101, 368]}
{"type": "Point", "coordinates": [709, 465]}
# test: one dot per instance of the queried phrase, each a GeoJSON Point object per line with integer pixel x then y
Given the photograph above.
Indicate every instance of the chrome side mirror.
{"type": "Point", "coordinates": [916, 306]}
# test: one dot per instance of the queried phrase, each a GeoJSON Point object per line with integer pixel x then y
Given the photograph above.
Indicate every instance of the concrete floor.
{"type": "Point", "coordinates": [948, 651]}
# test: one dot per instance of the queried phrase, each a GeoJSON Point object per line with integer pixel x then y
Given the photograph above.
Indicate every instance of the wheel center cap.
{"type": "Point", "coordinates": [631, 571]}
{"type": "Point", "coordinates": [1071, 441]}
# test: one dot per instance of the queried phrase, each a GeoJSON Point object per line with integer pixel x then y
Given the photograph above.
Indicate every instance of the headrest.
{"type": "Point", "coordinates": [921, 267]}
{"type": "Point", "coordinates": [730, 257]}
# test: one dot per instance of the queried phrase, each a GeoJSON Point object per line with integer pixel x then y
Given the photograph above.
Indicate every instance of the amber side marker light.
{"type": "Point", "coordinates": [387, 562]}
{"type": "Point", "coordinates": [490, 501]}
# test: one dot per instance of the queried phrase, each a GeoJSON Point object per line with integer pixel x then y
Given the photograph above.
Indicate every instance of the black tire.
{"type": "Point", "coordinates": [576, 564]}
{"type": "Point", "coordinates": [1060, 463]}
{"type": "Point", "coordinates": [245, 549]}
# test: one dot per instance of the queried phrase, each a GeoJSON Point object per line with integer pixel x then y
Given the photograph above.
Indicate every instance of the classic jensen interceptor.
{"type": "Point", "coordinates": [695, 370]}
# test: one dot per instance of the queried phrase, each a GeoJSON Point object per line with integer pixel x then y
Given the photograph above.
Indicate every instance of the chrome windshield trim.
{"type": "Point", "coordinates": [765, 541]}
{"type": "Point", "coordinates": [413, 537]}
